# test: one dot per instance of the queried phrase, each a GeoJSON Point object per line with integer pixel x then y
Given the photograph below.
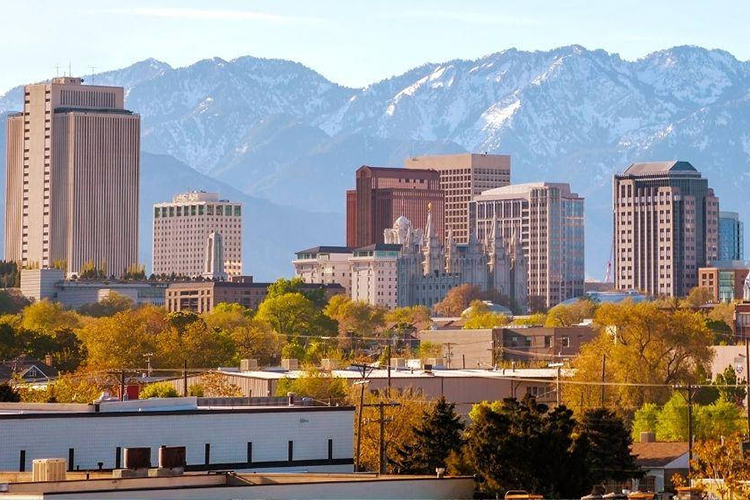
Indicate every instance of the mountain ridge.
{"type": "Point", "coordinates": [279, 130]}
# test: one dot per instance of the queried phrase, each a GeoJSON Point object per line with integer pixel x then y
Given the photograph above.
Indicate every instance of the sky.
{"type": "Point", "coordinates": [351, 42]}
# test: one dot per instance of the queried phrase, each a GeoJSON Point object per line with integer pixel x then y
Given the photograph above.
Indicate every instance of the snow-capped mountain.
{"type": "Point", "coordinates": [279, 130]}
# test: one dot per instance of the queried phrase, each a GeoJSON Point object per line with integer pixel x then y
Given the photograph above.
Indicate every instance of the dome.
{"type": "Point", "coordinates": [402, 222]}
{"type": "Point", "coordinates": [493, 308]}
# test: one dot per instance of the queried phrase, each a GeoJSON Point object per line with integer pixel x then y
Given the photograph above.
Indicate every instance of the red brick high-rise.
{"type": "Point", "coordinates": [383, 194]}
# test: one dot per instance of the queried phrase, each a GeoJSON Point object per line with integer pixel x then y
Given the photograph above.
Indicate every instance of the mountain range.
{"type": "Point", "coordinates": [288, 140]}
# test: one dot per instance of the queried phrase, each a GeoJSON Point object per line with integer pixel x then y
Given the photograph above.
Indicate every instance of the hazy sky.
{"type": "Point", "coordinates": [351, 42]}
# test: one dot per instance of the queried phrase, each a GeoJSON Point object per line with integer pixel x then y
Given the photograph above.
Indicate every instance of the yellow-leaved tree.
{"type": "Point", "coordinates": [647, 349]}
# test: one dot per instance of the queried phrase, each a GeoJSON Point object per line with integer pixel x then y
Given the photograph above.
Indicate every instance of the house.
{"type": "Point", "coordinates": [27, 369]}
{"type": "Point", "coordinates": [659, 460]}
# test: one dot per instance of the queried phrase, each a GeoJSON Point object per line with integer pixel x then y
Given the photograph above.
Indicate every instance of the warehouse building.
{"type": "Point", "coordinates": [218, 433]}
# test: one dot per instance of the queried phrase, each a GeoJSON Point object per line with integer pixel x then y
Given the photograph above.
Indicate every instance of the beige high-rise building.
{"type": "Point", "coordinates": [182, 228]}
{"type": "Point", "coordinates": [375, 274]}
{"type": "Point", "coordinates": [325, 265]}
{"type": "Point", "coordinates": [72, 178]}
{"type": "Point", "coordinates": [547, 219]}
{"type": "Point", "coordinates": [666, 226]}
{"type": "Point", "coordinates": [463, 176]}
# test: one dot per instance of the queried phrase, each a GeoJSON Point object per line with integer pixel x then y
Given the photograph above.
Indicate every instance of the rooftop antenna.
{"type": "Point", "coordinates": [70, 69]}
{"type": "Point", "coordinates": [57, 70]}
{"type": "Point", "coordinates": [93, 69]}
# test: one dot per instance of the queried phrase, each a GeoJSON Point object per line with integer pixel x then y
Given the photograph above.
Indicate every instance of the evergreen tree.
{"type": "Point", "coordinates": [8, 394]}
{"type": "Point", "coordinates": [607, 443]}
{"type": "Point", "coordinates": [515, 445]}
{"type": "Point", "coordinates": [437, 435]}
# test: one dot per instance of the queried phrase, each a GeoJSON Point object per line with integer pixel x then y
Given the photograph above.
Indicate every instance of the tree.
{"type": "Point", "coordinates": [457, 300]}
{"type": "Point", "coordinates": [524, 445]}
{"type": "Point", "coordinates": [196, 344]}
{"type": "Point", "coordinates": [437, 435]}
{"type": "Point", "coordinates": [78, 387]}
{"type": "Point", "coordinates": [734, 395]}
{"type": "Point", "coordinates": [8, 394]}
{"type": "Point", "coordinates": [643, 344]}
{"type": "Point", "coordinates": [357, 317]}
{"type": "Point", "coordinates": [283, 286]}
{"type": "Point", "coordinates": [12, 301]}
{"type": "Point", "coordinates": [291, 315]}
{"type": "Point", "coordinates": [399, 431]}
{"type": "Point", "coordinates": [216, 385]}
{"type": "Point", "coordinates": [408, 319]}
{"type": "Point", "coordinates": [256, 340]}
{"type": "Point", "coordinates": [48, 317]}
{"type": "Point", "coordinates": [563, 315]}
{"type": "Point", "coordinates": [315, 384]}
{"type": "Point", "coordinates": [10, 275]}
{"type": "Point", "coordinates": [158, 390]}
{"type": "Point", "coordinates": [697, 297]}
{"type": "Point", "coordinates": [134, 272]}
{"type": "Point", "coordinates": [607, 443]}
{"type": "Point", "coordinates": [723, 464]}
{"type": "Point", "coordinates": [111, 304]}
{"type": "Point", "coordinates": [228, 316]}
{"type": "Point", "coordinates": [536, 319]}
{"type": "Point", "coordinates": [479, 316]}
{"type": "Point", "coordinates": [670, 421]}
{"type": "Point", "coordinates": [123, 340]}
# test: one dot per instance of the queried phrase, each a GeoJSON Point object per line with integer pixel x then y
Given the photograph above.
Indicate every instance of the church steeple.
{"type": "Point", "coordinates": [433, 248]}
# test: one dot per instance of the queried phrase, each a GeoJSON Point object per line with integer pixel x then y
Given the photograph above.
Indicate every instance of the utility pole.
{"type": "Point", "coordinates": [122, 385]}
{"type": "Point", "coordinates": [747, 383]}
{"type": "Point", "coordinates": [557, 391]}
{"type": "Point", "coordinates": [365, 371]}
{"type": "Point", "coordinates": [382, 420]}
{"type": "Point", "coordinates": [184, 380]}
{"type": "Point", "coordinates": [450, 353]}
{"type": "Point", "coordinates": [690, 424]}
{"type": "Point", "coordinates": [388, 356]}
{"type": "Point", "coordinates": [604, 366]}
{"type": "Point", "coordinates": [148, 357]}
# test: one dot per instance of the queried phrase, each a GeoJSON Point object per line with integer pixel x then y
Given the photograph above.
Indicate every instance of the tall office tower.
{"type": "Point", "coordinates": [463, 176]}
{"type": "Point", "coordinates": [731, 236]}
{"type": "Point", "coordinates": [213, 267]}
{"type": "Point", "coordinates": [383, 195]}
{"type": "Point", "coordinates": [547, 218]}
{"type": "Point", "coordinates": [182, 229]}
{"type": "Point", "coordinates": [72, 178]}
{"type": "Point", "coordinates": [666, 223]}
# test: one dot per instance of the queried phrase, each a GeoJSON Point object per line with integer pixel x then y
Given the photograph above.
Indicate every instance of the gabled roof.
{"type": "Point", "coordinates": [660, 167]}
{"type": "Point", "coordinates": [657, 454]}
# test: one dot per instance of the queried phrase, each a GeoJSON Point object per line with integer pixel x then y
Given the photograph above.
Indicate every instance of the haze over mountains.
{"type": "Point", "coordinates": [277, 130]}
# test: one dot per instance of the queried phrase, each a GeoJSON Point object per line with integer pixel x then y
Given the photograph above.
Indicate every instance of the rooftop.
{"type": "Point", "coordinates": [325, 249]}
{"type": "Point", "coordinates": [657, 454]}
{"type": "Point", "coordinates": [610, 297]}
{"type": "Point", "coordinates": [409, 373]}
{"type": "Point", "coordinates": [383, 247]}
{"type": "Point", "coordinates": [728, 264]}
{"type": "Point", "coordinates": [513, 191]}
{"type": "Point", "coordinates": [661, 168]}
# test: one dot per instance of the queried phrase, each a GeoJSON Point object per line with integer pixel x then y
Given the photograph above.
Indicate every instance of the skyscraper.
{"type": "Point", "coordinates": [182, 230]}
{"type": "Point", "coordinates": [731, 236]}
{"type": "Point", "coordinates": [666, 223]}
{"type": "Point", "coordinates": [384, 194]}
{"type": "Point", "coordinates": [463, 176]}
{"type": "Point", "coordinates": [72, 178]}
{"type": "Point", "coordinates": [547, 218]}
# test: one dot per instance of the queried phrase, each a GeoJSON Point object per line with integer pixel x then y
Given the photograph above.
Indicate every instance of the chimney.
{"type": "Point", "coordinates": [247, 365]}
{"type": "Point", "coordinates": [648, 437]}
{"type": "Point", "coordinates": [290, 364]}
{"type": "Point", "coordinates": [48, 359]}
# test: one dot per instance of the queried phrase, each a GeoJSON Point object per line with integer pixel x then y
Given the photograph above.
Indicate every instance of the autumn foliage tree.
{"type": "Point", "coordinates": [647, 349]}
{"type": "Point", "coordinates": [457, 300]}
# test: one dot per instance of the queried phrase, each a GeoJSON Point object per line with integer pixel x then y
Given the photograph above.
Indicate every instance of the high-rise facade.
{"type": "Point", "coordinates": [463, 176]}
{"type": "Point", "coordinates": [666, 226]}
{"type": "Point", "coordinates": [384, 194]}
{"type": "Point", "coordinates": [73, 160]}
{"type": "Point", "coordinates": [324, 265]}
{"type": "Point", "coordinates": [182, 228]}
{"type": "Point", "coordinates": [547, 219]}
{"type": "Point", "coordinates": [731, 236]}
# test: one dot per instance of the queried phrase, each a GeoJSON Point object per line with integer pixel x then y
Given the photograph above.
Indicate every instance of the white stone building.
{"type": "Point", "coordinates": [182, 228]}
{"type": "Point", "coordinates": [375, 274]}
{"type": "Point", "coordinates": [324, 265]}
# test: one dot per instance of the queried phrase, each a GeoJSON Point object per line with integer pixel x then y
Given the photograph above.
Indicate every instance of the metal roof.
{"type": "Point", "coordinates": [660, 167]}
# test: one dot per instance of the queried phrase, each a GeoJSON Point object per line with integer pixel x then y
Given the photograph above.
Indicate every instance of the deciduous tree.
{"type": "Point", "coordinates": [458, 299]}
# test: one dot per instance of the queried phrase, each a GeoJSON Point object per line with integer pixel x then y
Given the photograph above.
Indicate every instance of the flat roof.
{"type": "Point", "coordinates": [661, 167]}
{"type": "Point", "coordinates": [325, 249]}
{"type": "Point", "coordinates": [408, 373]}
{"type": "Point", "coordinates": [513, 191]}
